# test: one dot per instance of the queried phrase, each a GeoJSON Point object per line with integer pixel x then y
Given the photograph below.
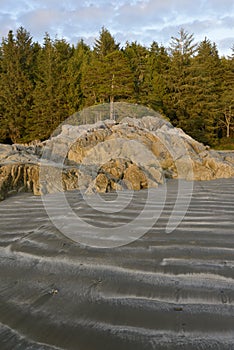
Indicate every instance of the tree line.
{"type": "Point", "coordinates": [43, 84]}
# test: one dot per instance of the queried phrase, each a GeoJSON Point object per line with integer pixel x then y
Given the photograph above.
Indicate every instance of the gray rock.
{"type": "Point", "coordinates": [135, 153]}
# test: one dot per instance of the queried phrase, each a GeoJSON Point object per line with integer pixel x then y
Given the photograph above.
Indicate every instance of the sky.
{"type": "Point", "coordinates": [143, 21]}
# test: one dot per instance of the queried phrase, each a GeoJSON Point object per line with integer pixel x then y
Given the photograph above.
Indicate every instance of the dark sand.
{"type": "Point", "coordinates": [163, 291]}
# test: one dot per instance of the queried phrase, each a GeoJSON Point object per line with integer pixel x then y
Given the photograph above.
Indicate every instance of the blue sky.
{"type": "Point", "coordinates": [142, 21]}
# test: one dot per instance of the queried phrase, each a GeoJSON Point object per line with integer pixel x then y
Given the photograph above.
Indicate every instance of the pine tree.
{"type": "Point", "coordinates": [138, 57]}
{"type": "Point", "coordinates": [179, 80]}
{"type": "Point", "coordinates": [95, 73]}
{"type": "Point", "coordinates": [52, 82]}
{"type": "Point", "coordinates": [105, 44]}
{"type": "Point", "coordinates": [76, 63]}
{"type": "Point", "coordinates": [158, 67]}
{"type": "Point", "coordinates": [108, 79]}
{"type": "Point", "coordinates": [42, 85]}
{"type": "Point", "coordinates": [183, 45]}
{"type": "Point", "coordinates": [205, 101]}
{"type": "Point", "coordinates": [118, 79]}
{"type": "Point", "coordinates": [226, 117]}
{"type": "Point", "coordinates": [16, 84]}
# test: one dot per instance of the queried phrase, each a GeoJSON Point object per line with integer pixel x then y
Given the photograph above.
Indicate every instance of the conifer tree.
{"type": "Point", "coordinates": [205, 102]}
{"type": "Point", "coordinates": [158, 68]}
{"type": "Point", "coordinates": [226, 116]}
{"type": "Point", "coordinates": [98, 74]}
{"type": "Point", "coordinates": [108, 79]}
{"type": "Point", "coordinates": [138, 56]}
{"type": "Point", "coordinates": [183, 45]}
{"type": "Point", "coordinates": [16, 84]}
{"type": "Point", "coordinates": [76, 64]}
{"type": "Point", "coordinates": [118, 78]}
{"type": "Point", "coordinates": [50, 95]}
{"type": "Point", "coordinates": [42, 85]}
{"type": "Point", "coordinates": [179, 80]}
{"type": "Point", "coordinates": [105, 44]}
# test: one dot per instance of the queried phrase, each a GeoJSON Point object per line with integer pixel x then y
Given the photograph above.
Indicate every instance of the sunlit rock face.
{"type": "Point", "coordinates": [109, 155]}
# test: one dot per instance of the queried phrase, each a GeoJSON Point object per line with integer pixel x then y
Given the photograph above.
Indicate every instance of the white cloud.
{"type": "Point", "coordinates": [132, 20]}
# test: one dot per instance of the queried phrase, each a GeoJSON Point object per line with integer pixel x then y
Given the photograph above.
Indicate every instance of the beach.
{"type": "Point", "coordinates": [161, 291]}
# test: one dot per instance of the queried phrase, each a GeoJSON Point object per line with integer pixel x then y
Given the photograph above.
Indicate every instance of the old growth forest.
{"type": "Point", "coordinates": [43, 84]}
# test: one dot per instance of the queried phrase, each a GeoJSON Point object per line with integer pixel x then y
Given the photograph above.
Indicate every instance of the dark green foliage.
{"type": "Point", "coordinates": [138, 61]}
{"type": "Point", "coordinates": [106, 75]}
{"type": "Point", "coordinates": [207, 76]}
{"type": "Point", "coordinates": [16, 84]}
{"type": "Point", "coordinates": [107, 79]}
{"type": "Point", "coordinates": [179, 80]}
{"type": "Point", "coordinates": [41, 85]}
{"type": "Point", "coordinates": [158, 65]}
{"type": "Point", "coordinates": [194, 88]}
{"type": "Point", "coordinates": [226, 115]}
{"type": "Point", "coordinates": [76, 64]}
{"type": "Point", "coordinates": [50, 106]}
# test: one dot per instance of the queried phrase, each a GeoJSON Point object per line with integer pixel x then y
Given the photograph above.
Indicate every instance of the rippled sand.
{"type": "Point", "coordinates": [163, 291]}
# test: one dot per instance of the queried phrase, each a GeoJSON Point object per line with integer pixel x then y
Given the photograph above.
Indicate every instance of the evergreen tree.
{"type": "Point", "coordinates": [42, 85]}
{"type": "Point", "coordinates": [78, 60]}
{"type": "Point", "coordinates": [183, 45]}
{"type": "Point", "coordinates": [226, 117]}
{"type": "Point", "coordinates": [138, 57]}
{"type": "Point", "coordinates": [16, 84]}
{"type": "Point", "coordinates": [108, 79]}
{"type": "Point", "coordinates": [118, 79]}
{"type": "Point", "coordinates": [105, 44]}
{"type": "Point", "coordinates": [97, 73]}
{"type": "Point", "coordinates": [50, 94]}
{"type": "Point", "coordinates": [90, 77]}
{"type": "Point", "coordinates": [179, 80]}
{"type": "Point", "coordinates": [205, 101]}
{"type": "Point", "coordinates": [158, 67]}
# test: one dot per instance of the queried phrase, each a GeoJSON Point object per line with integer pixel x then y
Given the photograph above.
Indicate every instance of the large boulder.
{"type": "Point", "coordinates": [118, 174]}
{"type": "Point", "coordinates": [133, 154]}
{"type": "Point", "coordinates": [155, 146]}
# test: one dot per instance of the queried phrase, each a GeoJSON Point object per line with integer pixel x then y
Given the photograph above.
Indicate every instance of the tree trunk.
{"type": "Point", "coordinates": [112, 112]}
{"type": "Point", "coordinates": [228, 121]}
{"type": "Point", "coordinates": [228, 130]}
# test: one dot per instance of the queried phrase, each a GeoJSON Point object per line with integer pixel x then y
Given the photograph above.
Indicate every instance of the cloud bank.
{"type": "Point", "coordinates": [143, 21]}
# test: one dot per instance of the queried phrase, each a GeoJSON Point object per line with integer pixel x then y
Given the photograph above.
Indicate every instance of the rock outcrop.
{"type": "Point", "coordinates": [133, 154]}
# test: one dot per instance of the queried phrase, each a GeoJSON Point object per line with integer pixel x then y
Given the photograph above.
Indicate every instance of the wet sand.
{"type": "Point", "coordinates": [163, 291]}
